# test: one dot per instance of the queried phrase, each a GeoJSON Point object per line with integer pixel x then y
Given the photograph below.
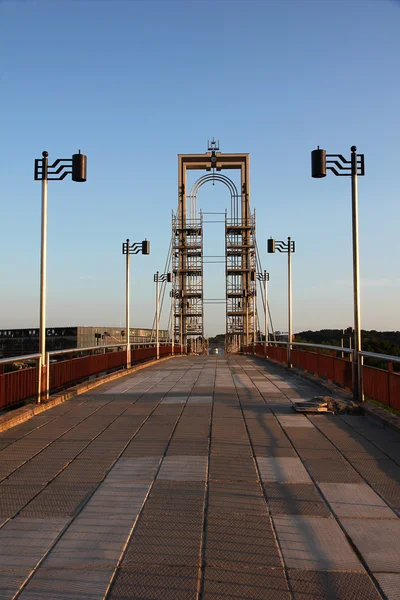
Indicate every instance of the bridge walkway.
{"type": "Point", "coordinates": [194, 479]}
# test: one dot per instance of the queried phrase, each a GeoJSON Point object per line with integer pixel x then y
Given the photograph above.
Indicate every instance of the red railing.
{"type": "Point", "coordinates": [17, 386]}
{"type": "Point", "coordinates": [378, 384]}
{"type": "Point", "coordinates": [382, 385]}
{"type": "Point", "coordinates": [23, 384]}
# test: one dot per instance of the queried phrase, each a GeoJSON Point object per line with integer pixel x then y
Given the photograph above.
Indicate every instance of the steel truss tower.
{"type": "Point", "coordinates": [187, 251]}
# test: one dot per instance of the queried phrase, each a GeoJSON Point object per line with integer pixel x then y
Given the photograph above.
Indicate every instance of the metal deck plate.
{"type": "Point", "coordinates": [295, 499]}
{"type": "Point", "coordinates": [183, 468]}
{"type": "Point", "coordinates": [356, 500]}
{"type": "Point", "coordinates": [230, 583]}
{"type": "Point", "coordinates": [313, 585]}
{"type": "Point", "coordinates": [332, 471]}
{"type": "Point", "coordinates": [244, 540]}
{"type": "Point", "coordinates": [282, 470]}
{"type": "Point", "coordinates": [315, 544]}
{"type": "Point", "coordinates": [155, 583]}
{"type": "Point", "coordinates": [390, 583]}
{"type": "Point", "coordinates": [383, 554]}
{"type": "Point", "coordinates": [67, 584]}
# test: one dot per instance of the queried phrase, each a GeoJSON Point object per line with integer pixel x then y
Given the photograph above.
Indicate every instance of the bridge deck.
{"type": "Point", "coordinates": [195, 479]}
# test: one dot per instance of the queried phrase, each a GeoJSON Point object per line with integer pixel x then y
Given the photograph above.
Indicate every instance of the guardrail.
{"type": "Point", "coordinates": [80, 364]}
{"type": "Point", "coordinates": [335, 364]}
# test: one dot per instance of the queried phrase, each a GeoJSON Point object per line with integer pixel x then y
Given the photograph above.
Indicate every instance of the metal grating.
{"type": "Point", "coordinates": [155, 583]}
{"type": "Point", "coordinates": [318, 585]}
{"type": "Point", "coordinates": [161, 538]}
{"type": "Point", "coordinates": [315, 544]}
{"type": "Point", "coordinates": [228, 469]}
{"type": "Point", "coordinates": [242, 583]}
{"type": "Point", "coordinates": [295, 499]}
{"type": "Point", "coordinates": [71, 584]}
{"type": "Point", "coordinates": [179, 495]}
{"type": "Point", "coordinates": [390, 583]}
{"type": "Point", "coordinates": [356, 500]}
{"type": "Point", "coordinates": [282, 470]}
{"type": "Point", "coordinates": [58, 500]}
{"type": "Point", "coordinates": [378, 471]}
{"type": "Point", "coordinates": [240, 540]}
{"type": "Point", "coordinates": [383, 554]}
{"type": "Point", "coordinates": [14, 497]}
{"type": "Point", "coordinates": [331, 471]}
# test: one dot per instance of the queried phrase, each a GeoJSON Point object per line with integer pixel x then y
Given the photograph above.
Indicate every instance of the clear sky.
{"type": "Point", "coordinates": [134, 83]}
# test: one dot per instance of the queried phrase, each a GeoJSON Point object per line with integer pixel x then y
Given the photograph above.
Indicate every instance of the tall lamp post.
{"type": "Point", "coordinates": [157, 278]}
{"type": "Point", "coordinates": [288, 248]}
{"type": "Point", "coordinates": [128, 249]}
{"type": "Point", "coordinates": [75, 166]}
{"type": "Point", "coordinates": [265, 278]}
{"type": "Point", "coordinates": [320, 162]}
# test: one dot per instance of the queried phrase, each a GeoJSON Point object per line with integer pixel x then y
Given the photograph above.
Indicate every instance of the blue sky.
{"type": "Point", "coordinates": [133, 83]}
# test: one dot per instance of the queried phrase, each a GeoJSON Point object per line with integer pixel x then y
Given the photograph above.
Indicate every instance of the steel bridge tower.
{"type": "Point", "coordinates": [240, 251]}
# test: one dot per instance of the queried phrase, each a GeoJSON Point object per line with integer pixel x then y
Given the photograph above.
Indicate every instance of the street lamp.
{"type": "Point", "coordinates": [157, 278]}
{"type": "Point", "coordinates": [265, 278]}
{"type": "Point", "coordinates": [288, 248]}
{"type": "Point", "coordinates": [75, 166]}
{"type": "Point", "coordinates": [347, 168]}
{"type": "Point", "coordinates": [128, 249]}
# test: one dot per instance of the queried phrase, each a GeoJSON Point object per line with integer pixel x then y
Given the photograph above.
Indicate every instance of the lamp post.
{"type": "Point", "coordinates": [128, 249]}
{"type": "Point", "coordinates": [157, 278]}
{"type": "Point", "coordinates": [75, 166]}
{"type": "Point", "coordinates": [265, 278]}
{"type": "Point", "coordinates": [288, 248]}
{"type": "Point", "coordinates": [320, 162]}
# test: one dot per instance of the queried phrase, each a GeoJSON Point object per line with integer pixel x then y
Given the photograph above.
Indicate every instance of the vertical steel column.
{"type": "Point", "coordinates": [254, 320]}
{"type": "Point", "coordinates": [42, 375]}
{"type": "Point", "coordinates": [157, 318]}
{"type": "Point", "coordinates": [172, 321]}
{"type": "Point", "coordinates": [127, 308]}
{"type": "Point", "coordinates": [266, 311]}
{"type": "Point", "coordinates": [358, 392]}
{"type": "Point", "coordinates": [289, 346]}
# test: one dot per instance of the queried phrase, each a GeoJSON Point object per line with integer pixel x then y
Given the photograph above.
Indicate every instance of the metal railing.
{"type": "Point", "coordinates": [81, 364]}
{"type": "Point", "coordinates": [335, 364]}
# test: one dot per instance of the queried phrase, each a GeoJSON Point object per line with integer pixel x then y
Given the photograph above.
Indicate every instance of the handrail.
{"type": "Point", "coordinates": [338, 348]}
{"type": "Point", "coordinates": [387, 357]}
{"type": "Point", "coordinates": [4, 361]}
{"type": "Point", "coordinates": [72, 350]}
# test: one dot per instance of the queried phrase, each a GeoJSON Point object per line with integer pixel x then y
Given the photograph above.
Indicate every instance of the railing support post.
{"type": "Point", "coordinates": [390, 375]}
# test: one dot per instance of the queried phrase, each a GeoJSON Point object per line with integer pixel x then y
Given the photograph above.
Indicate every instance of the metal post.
{"type": "Point", "coordinates": [266, 311]}
{"type": "Point", "coordinates": [127, 315]}
{"type": "Point", "coordinates": [254, 322]}
{"type": "Point", "coordinates": [247, 321]}
{"type": "Point", "coordinates": [289, 346]}
{"type": "Point", "coordinates": [357, 392]}
{"type": "Point", "coordinates": [172, 322]}
{"type": "Point", "coordinates": [157, 318]}
{"type": "Point", "coordinates": [181, 325]}
{"type": "Point", "coordinates": [43, 393]}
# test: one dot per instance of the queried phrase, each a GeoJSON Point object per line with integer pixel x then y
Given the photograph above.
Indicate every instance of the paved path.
{"type": "Point", "coordinates": [194, 479]}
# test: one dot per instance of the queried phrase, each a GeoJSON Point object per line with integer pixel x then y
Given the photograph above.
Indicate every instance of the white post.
{"type": "Point", "coordinates": [254, 321]}
{"type": "Point", "coordinates": [157, 318]}
{"type": "Point", "coordinates": [42, 376]}
{"type": "Point", "coordinates": [289, 346]}
{"type": "Point", "coordinates": [357, 365]}
{"type": "Point", "coordinates": [172, 322]}
{"type": "Point", "coordinates": [181, 325]}
{"type": "Point", "coordinates": [127, 302]}
{"type": "Point", "coordinates": [266, 311]}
